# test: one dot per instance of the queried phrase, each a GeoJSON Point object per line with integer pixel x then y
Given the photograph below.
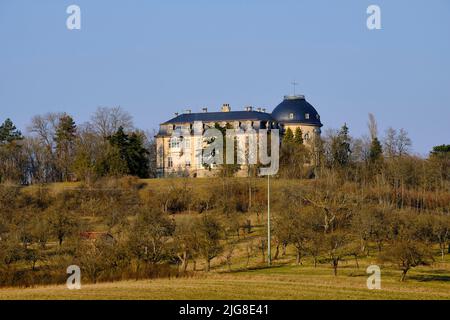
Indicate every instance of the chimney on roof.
{"type": "Point", "coordinates": [187, 111]}
{"type": "Point", "coordinates": [264, 110]}
{"type": "Point", "coordinates": [225, 108]}
{"type": "Point", "coordinates": [176, 114]}
{"type": "Point", "coordinates": [205, 110]}
{"type": "Point", "coordinates": [259, 109]}
{"type": "Point", "coordinates": [248, 108]}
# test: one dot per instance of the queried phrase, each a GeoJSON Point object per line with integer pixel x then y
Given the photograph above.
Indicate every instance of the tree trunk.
{"type": "Point", "coordinates": [277, 251]}
{"type": "Point", "coordinates": [263, 255]}
{"type": "Point", "coordinates": [208, 265]}
{"type": "Point", "coordinates": [335, 266]}
{"type": "Point", "coordinates": [299, 256]}
{"type": "Point", "coordinates": [284, 249]}
{"type": "Point", "coordinates": [184, 263]}
{"type": "Point", "coordinates": [403, 275]}
{"type": "Point", "coordinates": [379, 245]}
{"type": "Point", "coordinates": [138, 268]}
{"type": "Point", "coordinates": [183, 259]}
{"type": "Point", "coordinates": [250, 197]}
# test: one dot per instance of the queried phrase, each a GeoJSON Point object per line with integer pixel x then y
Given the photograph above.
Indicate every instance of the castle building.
{"type": "Point", "coordinates": [180, 139]}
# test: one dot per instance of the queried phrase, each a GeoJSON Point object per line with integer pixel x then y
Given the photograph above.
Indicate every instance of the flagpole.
{"type": "Point", "coordinates": [269, 256]}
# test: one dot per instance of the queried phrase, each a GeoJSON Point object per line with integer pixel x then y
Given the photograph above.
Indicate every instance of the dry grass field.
{"type": "Point", "coordinates": [279, 282]}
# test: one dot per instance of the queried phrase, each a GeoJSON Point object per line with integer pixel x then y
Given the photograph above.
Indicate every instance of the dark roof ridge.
{"type": "Point", "coordinates": [221, 116]}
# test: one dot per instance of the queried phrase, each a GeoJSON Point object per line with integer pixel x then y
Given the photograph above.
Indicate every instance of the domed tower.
{"type": "Point", "coordinates": [294, 112]}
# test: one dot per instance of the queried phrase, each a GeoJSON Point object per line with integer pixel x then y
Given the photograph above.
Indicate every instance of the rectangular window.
{"type": "Point", "coordinates": [188, 163]}
{"type": "Point", "coordinates": [174, 142]}
{"type": "Point", "coordinates": [306, 115]}
{"type": "Point", "coordinates": [187, 143]}
{"type": "Point", "coordinates": [169, 162]}
{"type": "Point", "coordinates": [291, 116]}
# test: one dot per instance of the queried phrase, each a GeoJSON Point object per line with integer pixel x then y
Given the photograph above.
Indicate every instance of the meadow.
{"type": "Point", "coordinates": [282, 281]}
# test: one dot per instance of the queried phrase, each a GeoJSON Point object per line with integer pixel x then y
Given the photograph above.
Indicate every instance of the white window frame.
{"type": "Point", "coordinates": [174, 143]}
{"type": "Point", "coordinates": [187, 143]}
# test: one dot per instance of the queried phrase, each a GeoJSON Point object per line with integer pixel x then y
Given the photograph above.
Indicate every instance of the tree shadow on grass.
{"type": "Point", "coordinates": [254, 268]}
{"type": "Point", "coordinates": [437, 271]}
{"type": "Point", "coordinates": [430, 277]}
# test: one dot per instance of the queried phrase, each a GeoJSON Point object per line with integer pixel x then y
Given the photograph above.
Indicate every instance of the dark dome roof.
{"type": "Point", "coordinates": [295, 109]}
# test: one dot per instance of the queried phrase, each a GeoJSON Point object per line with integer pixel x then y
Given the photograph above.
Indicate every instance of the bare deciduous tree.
{"type": "Point", "coordinates": [403, 142]}
{"type": "Point", "coordinates": [106, 121]}
{"type": "Point", "coordinates": [373, 127]}
{"type": "Point", "coordinates": [396, 143]}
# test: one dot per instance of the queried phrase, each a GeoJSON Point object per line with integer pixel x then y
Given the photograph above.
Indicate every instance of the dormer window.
{"type": "Point", "coordinates": [306, 116]}
{"type": "Point", "coordinates": [291, 116]}
{"type": "Point", "coordinates": [317, 116]}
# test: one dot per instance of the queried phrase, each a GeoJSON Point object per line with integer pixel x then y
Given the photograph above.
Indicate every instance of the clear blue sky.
{"type": "Point", "coordinates": [154, 58]}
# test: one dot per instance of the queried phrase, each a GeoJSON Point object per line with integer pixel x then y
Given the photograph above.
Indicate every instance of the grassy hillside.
{"type": "Point", "coordinates": [248, 277]}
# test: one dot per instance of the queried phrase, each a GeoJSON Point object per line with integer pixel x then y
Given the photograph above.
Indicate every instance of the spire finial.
{"type": "Point", "coordinates": [294, 84]}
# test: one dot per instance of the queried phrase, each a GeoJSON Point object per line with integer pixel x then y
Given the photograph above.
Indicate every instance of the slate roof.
{"type": "Point", "coordinates": [295, 105]}
{"type": "Point", "coordinates": [221, 116]}
{"type": "Point", "coordinates": [299, 107]}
